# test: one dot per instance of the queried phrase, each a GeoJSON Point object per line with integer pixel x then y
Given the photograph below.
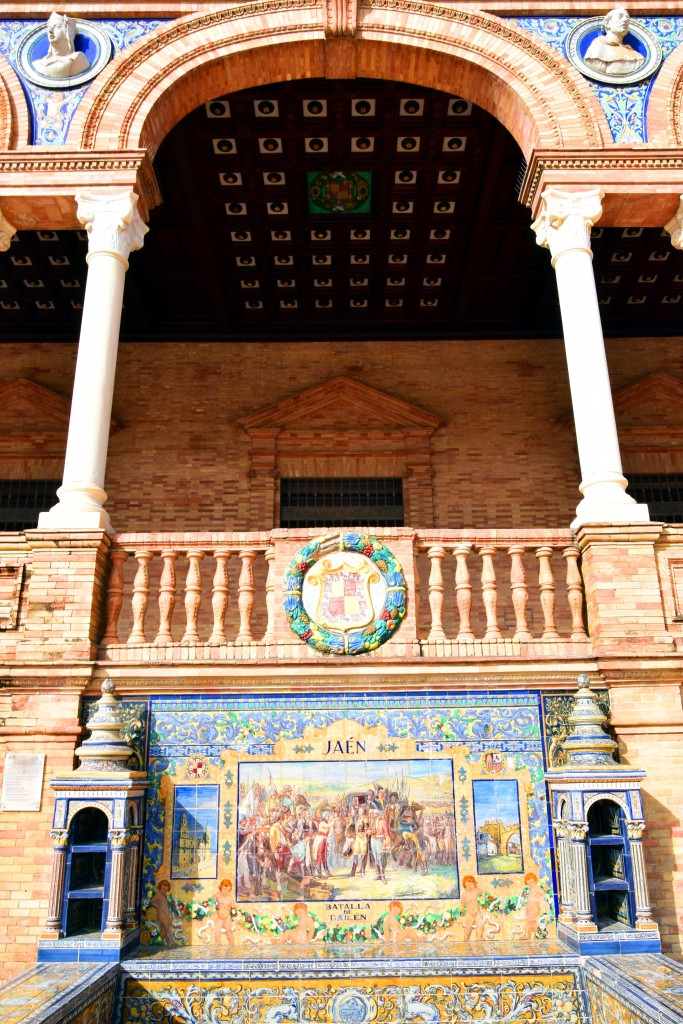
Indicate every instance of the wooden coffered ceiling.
{"type": "Point", "coordinates": [437, 245]}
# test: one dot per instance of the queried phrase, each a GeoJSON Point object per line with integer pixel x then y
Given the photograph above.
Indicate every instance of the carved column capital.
{"type": "Point", "coordinates": [7, 232]}
{"type": "Point", "coordinates": [578, 830]}
{"type": "Point", "coordinates": [60, 838]}
{"type": "Point", "coordinates": [675, 227]}
{"type": "Point", "coordinates": [113, 224]}
{"type": "Point", "coordinates": [565, 221]}
{"type": "Point", "coordinates": [119, 838]}
{"type": "Point", "coordinates": [635, 829]}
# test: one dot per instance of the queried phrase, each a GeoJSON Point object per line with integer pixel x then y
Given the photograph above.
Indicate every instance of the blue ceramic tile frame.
{"type": "Point", "coordinates": [625, 106]}
{"type": "Point", "coordinates": [52, 110]}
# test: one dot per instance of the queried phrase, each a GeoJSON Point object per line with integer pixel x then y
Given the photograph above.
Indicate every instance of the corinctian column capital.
{"type": "Point", "coordinates": [565, 221]}
{"type": "Point", "coordinates": [113, 224]}
{"type": "Point", "coordinates": [675, 226]}
{"type": "Point", "coordinates": [7, 232]}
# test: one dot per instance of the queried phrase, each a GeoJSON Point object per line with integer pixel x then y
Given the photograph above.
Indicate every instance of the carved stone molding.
{"type": "Point", "coordinates": [113, 223]}
{"type": "Point", "coordinates": [28, 178]}
{"type": "Point", "coordinates": [625, 177]}
{"type": "Point", "coordinates": [340, 17]}
{"type": "Point", "coordinates": [566, 219]}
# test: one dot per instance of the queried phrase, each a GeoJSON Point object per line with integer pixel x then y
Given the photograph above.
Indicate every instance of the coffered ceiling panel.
{"type": "Point", "coordinates": [328, 209]}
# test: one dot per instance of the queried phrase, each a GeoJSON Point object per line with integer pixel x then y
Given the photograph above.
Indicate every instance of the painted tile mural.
{"type": "Point", "coordinates": [338, 819]}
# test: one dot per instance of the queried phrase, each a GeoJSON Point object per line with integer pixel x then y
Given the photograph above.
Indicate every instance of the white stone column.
{"type": "Point", "coordinates": [564, 227]}
{"type": "Point", "coordinates": [115, 229]}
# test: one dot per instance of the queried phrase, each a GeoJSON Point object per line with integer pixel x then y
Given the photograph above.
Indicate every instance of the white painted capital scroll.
{"type": "Point", "coordinates": [7, 233]}
{"type": "Point", "coordinates": [112, 222]}
{"type": "Point", "coordinates": [675, 226]}
{"type": "Point", "coordinates": [566, 219]}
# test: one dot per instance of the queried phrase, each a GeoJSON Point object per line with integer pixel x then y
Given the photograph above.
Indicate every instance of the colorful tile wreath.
{"type": "Point", "coordinates": [356, 641]}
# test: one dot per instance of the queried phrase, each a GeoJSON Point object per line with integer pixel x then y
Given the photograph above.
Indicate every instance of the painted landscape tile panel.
{"type": "Point", "coordinates": [194, 847]}
{"type": "Point", "coordinates": [353, 830]}
{"type": "Point", "coordinates": [498, 827]}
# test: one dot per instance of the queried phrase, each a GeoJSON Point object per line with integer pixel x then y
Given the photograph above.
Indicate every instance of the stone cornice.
{"type": "Point", "coordinates": [58, 173]}
{"type": "Point", "coordinates": [622, 172]}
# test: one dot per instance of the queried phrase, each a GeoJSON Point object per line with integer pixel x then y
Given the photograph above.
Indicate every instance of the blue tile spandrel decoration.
{"type": "Point", "coordinates": [52, 110]}
{"type": "Point", "coordinates": [625, 106]}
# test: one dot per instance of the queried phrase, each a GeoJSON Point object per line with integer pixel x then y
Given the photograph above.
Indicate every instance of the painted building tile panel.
{"type": "Point", "coordinates": [289, 820]}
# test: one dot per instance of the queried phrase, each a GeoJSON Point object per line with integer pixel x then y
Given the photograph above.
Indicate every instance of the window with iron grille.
{"type": "Point", "coordinates": [22, 501]}
{"type": "Point", "coordinates": [341, 501]}
{"type": "Point", "coordinates": [662, 492]}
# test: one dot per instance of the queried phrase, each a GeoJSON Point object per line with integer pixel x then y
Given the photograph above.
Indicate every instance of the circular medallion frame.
{"type": "Point", "coordinates": [639, 38]}
{"type": "Point", "coordinates": [352, 641]}
{"type": "Point", "coordinates": [34, 41]}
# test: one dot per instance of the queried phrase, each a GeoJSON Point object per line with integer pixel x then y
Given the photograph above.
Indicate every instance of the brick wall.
{"type": "Point", "coordinates": [178, 461]}
{"type": "Point", "coordinates": [43, 722]}
{"type": "Point", "coordinates": [648, 718]}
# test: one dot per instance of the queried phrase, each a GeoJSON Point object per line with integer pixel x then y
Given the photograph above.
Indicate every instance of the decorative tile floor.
{"type": "Point", "coordinates": [47, 993]}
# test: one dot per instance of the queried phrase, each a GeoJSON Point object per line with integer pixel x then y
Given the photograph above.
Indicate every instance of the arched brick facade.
{"type": "Point", "coordinates": [540, 99]}
{"type": "Point", "coordinates": [665, 107]}
{"type": "Point", "coordinates": [15, 126]}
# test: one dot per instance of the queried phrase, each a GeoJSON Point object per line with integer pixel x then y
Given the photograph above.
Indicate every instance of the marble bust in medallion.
{"type": "Point", "coordinates": [609, 53]}
{"type": "Point", "coordinates": [62, 60]}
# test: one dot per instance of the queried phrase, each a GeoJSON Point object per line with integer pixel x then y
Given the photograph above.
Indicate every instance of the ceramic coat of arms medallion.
{"type": "Point", "coordinates": [345, 593]}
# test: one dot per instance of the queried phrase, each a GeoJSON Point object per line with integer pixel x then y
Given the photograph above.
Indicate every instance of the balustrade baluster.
{"type": "Point", "coordinates": [140, 596]}
{"type": "Point", "coordinates": [546, 582]}
{"type": "Point", "coordinates": [193, 596]}
{"type": "Point", "coordinates": [166, 597]}
{"type": "Point", "coordinates": [575, 592]}
{"type": "Point", "coordinates": [463, 593]}
{"type": "Point", "coordinates": [520, 594]}
{"type": "Point", "coordinates": [436, 556]}
{"type": "Point", "coordinates": [245, 596]}
{"type": "Point", "coordinates": [269, 635]}
{"type": "Point", "coordinates": [114, 596]}
{"type": "Point", "coordinates": [489, 594]}
{"type": "Point", "coordinates": [219, 598]}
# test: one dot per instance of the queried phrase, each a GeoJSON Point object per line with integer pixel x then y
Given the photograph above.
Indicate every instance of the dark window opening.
{"type": "Point", "coordinates": [22, 501]}
{"type": "Point", "coordinates": [661, 492]}
{"type": "Point", "coordinates": [341, 501]}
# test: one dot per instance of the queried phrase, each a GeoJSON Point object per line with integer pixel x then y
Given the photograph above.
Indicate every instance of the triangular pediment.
{"type": "Point", "coordinates": [26, 406]}
{"type": "Point", "coordinates": [343, 403]}
{"type": "Point", "coordinates": [649, 399]}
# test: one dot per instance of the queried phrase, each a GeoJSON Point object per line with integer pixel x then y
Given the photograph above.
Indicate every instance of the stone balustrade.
{"type": "Point", "coordinates": [490, 594]}
{"type": "Point", "coordinates": [217, 596]}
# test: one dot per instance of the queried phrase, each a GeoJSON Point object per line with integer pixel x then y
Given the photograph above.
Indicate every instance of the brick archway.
{"type": "Point", "coordinates": [15, 124]}
{"type": "Point", "coordinates": [537, 95]}
{"type": "Point", "coordinates": [665, 107]}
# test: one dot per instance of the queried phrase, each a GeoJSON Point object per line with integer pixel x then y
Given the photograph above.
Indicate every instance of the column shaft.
{"type": "Point", "coordinates": [115, 229]}
{"type": "Point", "coordinates": [564, 227]}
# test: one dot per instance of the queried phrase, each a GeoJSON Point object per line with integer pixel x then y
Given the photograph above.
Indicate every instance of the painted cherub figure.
{"type": "Point", "coordinates": [536, 897]}
{"type": "Point", "coordinates": [392, 929]}
{"type": "Point", "coordinates": [225, 904]}
{"type": "Point", "coordinates": [163, 911]}
{"type": "Point", "coordinates": [304, 930]}
{"type": "Point", "coordinates": [473, 920]}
